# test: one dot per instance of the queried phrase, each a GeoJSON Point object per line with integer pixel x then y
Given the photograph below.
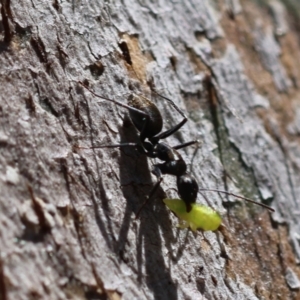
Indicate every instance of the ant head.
{"type": "Point", "coordinates": [187, 189]}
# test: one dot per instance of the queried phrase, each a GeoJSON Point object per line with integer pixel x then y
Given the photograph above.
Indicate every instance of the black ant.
{"type": "Point", "coordinates": [148, 120]}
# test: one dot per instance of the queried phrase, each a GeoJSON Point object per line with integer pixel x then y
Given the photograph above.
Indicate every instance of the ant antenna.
{"type": "Point", "coordinates": [239, 197]}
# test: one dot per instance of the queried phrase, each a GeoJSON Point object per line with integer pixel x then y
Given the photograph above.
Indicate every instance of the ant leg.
{"type": "Point", "coordinates": [130, 108]}
{"type": "Point", "coordinates": [185, 144]}
{"type": "Point", "coordinates": [169, 132]}
{"type": "Point", "coordinates": [171, 102]}
{"type": "Point", "coordinates": [111, 146]}
{"type": "Point", "coordinates": [138, 146]}
{"type": "Point", "coordinates": [158, 174]}
{"type": "Point", "coordinates": [116, 102]}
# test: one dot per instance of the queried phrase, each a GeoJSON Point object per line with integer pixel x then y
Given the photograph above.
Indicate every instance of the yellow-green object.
{"type": "Point", "coordinates": [200, 216]}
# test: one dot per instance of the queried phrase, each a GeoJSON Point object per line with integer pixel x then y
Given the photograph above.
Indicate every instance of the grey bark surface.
{"type": "Point", "coordinates": [68, 227]}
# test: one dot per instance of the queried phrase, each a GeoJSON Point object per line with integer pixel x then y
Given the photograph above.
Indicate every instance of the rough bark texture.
{"type": "Point", "coordinates": [68, 228]}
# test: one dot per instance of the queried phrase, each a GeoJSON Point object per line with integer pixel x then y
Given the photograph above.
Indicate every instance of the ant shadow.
{"type": "Point", "coordinates": [134, 173]}
{"type": "Point", "coordinates": [136, 184]}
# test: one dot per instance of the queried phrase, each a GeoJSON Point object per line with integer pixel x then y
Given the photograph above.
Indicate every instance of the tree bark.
{"type": "Point", "coordinates": [68, 227]}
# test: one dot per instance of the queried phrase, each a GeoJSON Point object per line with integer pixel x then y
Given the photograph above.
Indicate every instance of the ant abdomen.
{"type": "Point", "coordinates": [150, 125]}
